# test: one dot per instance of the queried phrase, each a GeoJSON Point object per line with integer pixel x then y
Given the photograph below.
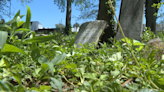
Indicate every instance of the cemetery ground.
{"type": "Point", "coordinates": [59, 66]}
{"type": "Point", "coordinates": [56, 64]}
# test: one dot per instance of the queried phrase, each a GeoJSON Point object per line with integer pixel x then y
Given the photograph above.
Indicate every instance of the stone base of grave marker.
{"type": "Point", "coordinates": [131, 19]}
{"type": "Point", "coordinates": [90, 32]}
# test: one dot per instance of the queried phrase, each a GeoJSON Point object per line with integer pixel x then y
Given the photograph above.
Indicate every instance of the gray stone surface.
{"type": "Point", "coordinates": [131, 19]}
{"type": "Point", "coordinates": [90, 32]}
{"type": "Point", "coordinates": [160, 27]}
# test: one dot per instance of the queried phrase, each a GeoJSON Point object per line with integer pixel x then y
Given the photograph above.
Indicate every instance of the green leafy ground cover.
{"type": "Point", "coordinates": [53, 64]}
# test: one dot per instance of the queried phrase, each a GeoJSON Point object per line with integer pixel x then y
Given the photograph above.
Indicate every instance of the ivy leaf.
{"type": "Point", "coordinates": [103, 77]}
{"type": "Point", "coordinates": [71, 65]}
{"type": "Point", "coordinates": [21, 89]}
{"type": "Point", "coordinates": [56, 83]}
{"type": "Point", "coordinates": [17, 77]}
{"type": "Point", "coordinates": [44, 87]}
{"type": "Point", "coordinates": [35, 53]}
{"type": "Point", "coordinates": [3, 38]}
{"type": "Point", "coordinates": [159, 82]}
{"type": "Point", "coordinates": [6, 86]}
{"type": "Point", "coordinates": [115, 73]}
{"type": "Point", "coordinates": [5, 26]}
{"type": "Point", "coordinates": [58, 59]}
{"type": "Point", "coordinates": [40, 39]}
{"type": "Point", "coordinates": [43, 59]}
{"type": "Point", "coordinates": [10, 48]}
{"type": "Point", "coordinates": [43, 70]}
{"type": "Point", "coordinates": [28, 18]}
{"type": "Point", "coordinates": [111, 87]}
{"type": "Point", "coordinates": [91, 76]}
{"type": "Point", "coordinates": [51, 66]}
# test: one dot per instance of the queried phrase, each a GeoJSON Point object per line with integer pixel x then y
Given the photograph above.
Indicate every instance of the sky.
{"type": "Point", "coordinates": [48, 14]}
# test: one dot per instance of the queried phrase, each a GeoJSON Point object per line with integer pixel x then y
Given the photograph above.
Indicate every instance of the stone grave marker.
{"type": "Point", "coordinates": [131, 19]}
{"type": "Point", "coordinates": [90, 32]}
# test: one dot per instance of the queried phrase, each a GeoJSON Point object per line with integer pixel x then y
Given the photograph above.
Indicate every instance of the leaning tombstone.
{"type": "Point", "coordinates": [90, 32]}
{"type": "Point", "coordinates": [131, 19]}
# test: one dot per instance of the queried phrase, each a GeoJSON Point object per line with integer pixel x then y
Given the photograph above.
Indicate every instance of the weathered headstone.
{"type": "Point", "coordinates": [90, 32]}
{"type": "Point", "coordinates": [131, 19]}
{"type": "Point", "coordinates": [160, 27]}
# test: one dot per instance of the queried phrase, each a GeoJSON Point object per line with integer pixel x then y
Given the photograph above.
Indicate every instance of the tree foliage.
{"type": "Point", "coordinates": [90, 10]}
{"type": "Point", "coordinates": [62, 4]}
{"type": "Point", "coordinates": [60, 25]}
{"type": "Point", "coordinates": [5, 7]}
{"type": "Point", "coordinates": [76, 25]}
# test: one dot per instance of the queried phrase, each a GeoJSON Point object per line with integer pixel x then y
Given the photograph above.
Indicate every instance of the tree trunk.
{"type": "Point", "coordinates": [103, 15]}
{"type": "Point", "coordinates": [68, 17]}
{"type": "Point", "coordinates": [150, 11]}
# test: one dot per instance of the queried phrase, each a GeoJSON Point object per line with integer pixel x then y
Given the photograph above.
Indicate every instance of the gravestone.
{"type": "Point", "coordinates": [90, 32]}
{"type": "Point", "coordinates": [160, 27]}
{"type": "Point", "coordinates": [131, 19]}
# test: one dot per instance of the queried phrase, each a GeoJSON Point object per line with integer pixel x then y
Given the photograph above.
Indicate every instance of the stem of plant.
{"type": "Point", "coordinates": [68, 81]}
{"type": "Point", "coordinates": [153, 84]}
{"type": "Point", "coordinates": [123, 34]}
